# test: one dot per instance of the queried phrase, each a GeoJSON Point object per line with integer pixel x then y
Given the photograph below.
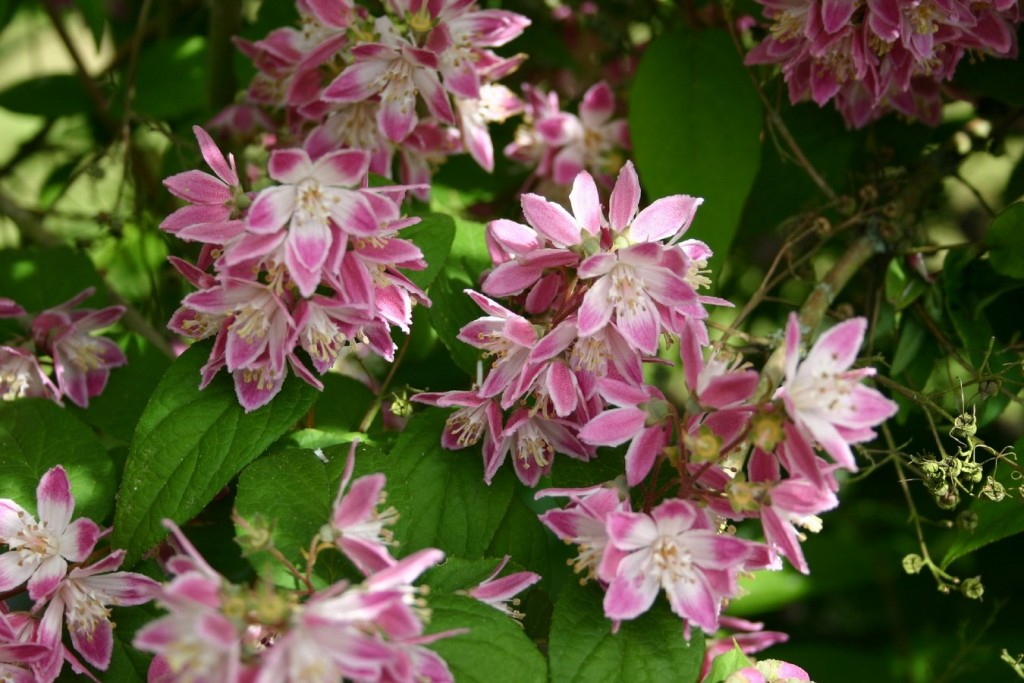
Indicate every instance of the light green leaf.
{"type": "Point", "coordinates": [649, 649]}
{"type": "Point", "coordinates": [695, 122]}
{"type": "Point", "coordinates": [189, 444]}
{"type": "Point", "coordinates": [36, 435]}
{"type": "Point", "coordinates": [1005, 239]}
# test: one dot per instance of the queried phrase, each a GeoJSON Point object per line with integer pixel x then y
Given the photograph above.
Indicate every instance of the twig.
{"type": "Point", "coordinates": [371, 412]}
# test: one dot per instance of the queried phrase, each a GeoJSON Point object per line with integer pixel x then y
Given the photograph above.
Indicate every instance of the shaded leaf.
{"type": "Point", "coordinates": [49, 96]}
{"type": "Point", "coordinates": [1005, 239]}
{"type": "Point", "coordinates": [452, 309]}
{"type": "Point", "coordinates": [433, 235]}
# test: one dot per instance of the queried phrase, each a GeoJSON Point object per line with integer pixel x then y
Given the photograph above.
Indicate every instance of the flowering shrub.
{"type": "Point", "coordinates": [562, 345]}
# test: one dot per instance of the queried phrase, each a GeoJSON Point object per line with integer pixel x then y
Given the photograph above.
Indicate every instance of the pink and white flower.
{"type": "Point", "coordinates": [583, 522]}
{"type": "Point", "coordinates": [82, 598]}
{"type": "Point", "coordinates": [825, 398]}
{"type": "Point", "coordinates": [39, 551]}
{"type": "Point", "coordinates": [500, 593]}
{"type": "Point", "coordinates": [676, 549]}
{"type": "Point", "coordinates": [82, 361]}
{"type": "Point", "coordinates": [21, 376]}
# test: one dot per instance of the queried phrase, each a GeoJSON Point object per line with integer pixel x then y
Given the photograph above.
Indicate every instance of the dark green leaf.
{"type": "Point", "coordinates": [726, 664]}
{"type": "Point", "coordinates": [171, 79]}
{"type": "Point", "coordinates": [49, 96]}
{"type": "Point", "coordinates": [648, 649]}
{"type": "Point", "coordinates": [457, 574]}
{"type": "Point", "coordinates": [116, 411]}
{"type": "Point", "coordinates": [36, 435]}
{"type": "Point", "coordinates": [695, 122]}
{"type": "Point", "coordinates": [433, 235]}
{"type": "Point", "coordinates": [992, 77]}
{"type": "Point", "coordinates": [94, 13]}
{"type": "Point", "coordinates": [188, 446]}
{"type": "Point", "coordinates": [494, 650]}
{"type": "Point", "coordinates": [1005, 239]}
{"type": "Point", "coordinates": [440, 495]}
{"type": "Point", "coordinates": [912, 336]}
{"type": "Point", "coordinates": [522, 536]}
{"type": "Point", "coordinates": [28, 276]}
{"type": "Point", "coordinates": [452, 309]}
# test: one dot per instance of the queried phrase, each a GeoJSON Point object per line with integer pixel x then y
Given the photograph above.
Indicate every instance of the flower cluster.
{"type": "Point", "coordinates": [310, 262]}
{"type": "Point", "coordinates": [46, 557]}
{"type": "Point", "coordinates": [419, 82]}
{"type": "Point", "coordinates": [590, 295]}
{"type": "Point", "coordinates": [876, 57]}
{"type": "Point", "coordinates": [558, 145]}
{"type": "Point", "coordinates": [368, 631]}
{"type": "Point", "coordinates": [81, 360]}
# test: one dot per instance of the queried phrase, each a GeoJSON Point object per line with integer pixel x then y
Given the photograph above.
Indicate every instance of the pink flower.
{"type": "Point", "coordinates": [21, 376]}
{"type": "Point", "coordinates": [825, 398]}
{"type": "Point", "coordinates": [310, 212]}
{"type": "Point", "coordinates": [882, 55]}
{"type": "Point", "coordinates": [83, 597]}
{"type": "Point", "coordinates": [504, 335]}
{"type": "Point", "coordinates": [748, 636]}
{"type": "Point", "coordinates": [534, 439]}
{"type": "Point", "coordinates": [641, 419]}
{"type": "Point", "coordinates": [194, 641]}
{"type": "Point", "coordinates": [82, 361]}
{"type": "Point", "coordinates": [357, 526]}
{"type": "Point", "coordinates": [18, 656]}
{"type": "Point", "coordinates": [674, 548]}
{"type": "Point", "coordinates": [583, 522]}
{"type": "Point", "coordinates": [770, 671]}
{"type": "Point", "coordinates": [396, 70]}
{"type": "Point", "coordinates": [215, 203]}
{"type": "Point", "coordinates": [39, 552]}
{"type": "Point", "coordinates": [500, 593]}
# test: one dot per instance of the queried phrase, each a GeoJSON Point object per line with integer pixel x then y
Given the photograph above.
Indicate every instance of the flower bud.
{"type": "Point", "coordinates": [913, 564]}
{"type": "Point", "coordinates": [766, 431]}
{"type": "Point", "coordinates": [967, 520]}
{"type": "Point", "coordinates": [972, 588]}
{"type": "Point", "coordinates": [993, 490]}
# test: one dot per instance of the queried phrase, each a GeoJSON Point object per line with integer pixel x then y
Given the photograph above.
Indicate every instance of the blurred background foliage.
{"type": "Point", "coordinates": [97, 100]}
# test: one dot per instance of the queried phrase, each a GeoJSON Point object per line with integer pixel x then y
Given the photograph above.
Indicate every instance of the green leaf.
{"type": "Point", "coordinates": [495, 649]}
{"type": "Point", "coordinates": [188, 446]}
{"type": "Point", "coordinates": [30, 277]}
{"type": "Point", "coordinates": [117, 410]}
{"type": "Point", "coordinates": [458, 574]}
{"type": "Point", "coordinates": [433, 235]}
{"type": "Point", "coordinates": [128, 664]}
{"type": "Point", "coordinates": [648, 649]}
{"type": "Point", "coordinates": [991, 77]}
{"type": "Point", "coordinates": [36, 435]}
{"type": "Point", "coordinates": [996, 521]}
{"type": "Point", "coordinates": [522, 536]}
{"type": "Point", "coordinates": [902, 290]}
{"type": "Point", "coordinates": [440, 495]}
{"type": "Point", "coordinates": [172, 77]}
{"type": "Point", "coordinates": [47, 96]}
{"type": "Point", "coordinates": [695, 122]}
{"type": "Point", "coordinates": [1005, 239]}
{"type": "Point", "coordinates": [94, 13]}
{"type": "Point", "coordinates": [912, 336]}
{"type": "Point", "coordinates": [726, 664]}
{"type": "Point", "coordinates": [451, 310]}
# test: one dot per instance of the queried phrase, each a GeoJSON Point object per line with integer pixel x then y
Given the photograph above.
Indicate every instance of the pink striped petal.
{"type": "Point", "coordinates": [198, 187]}
{"type": "Point", "coordinates": [47, 576]}
{"type": "Point", "coordinates": [625, 198]}
{"type": "Point", "coordinates": [694, 601]}
{"type": "Point", "coordinates": [215, 158]}
{"type": "Point", "coordinates": [667, 217]}
{"type": "Point", "coordinates": [551, 220]}
{"type": "Point", "coordinates": [836, 14]}
{"type": "Point", "coordinates": [79, 539]}
{"type": "Point", "coordinates": [13, 572]}
{"type": "Point", "coordinates": [595, 313]}
{"type": "Point", "coordinates": [598, 104]}
{"type": "Point", "coordinates": [562, 388]}
{"type": "Point", "coordinates": [586, 204]}
{"type": "Point", "coordinates": [397, 113]}
{"type": "Point", "coordinates": [359, 502]}
{"type": "Point", "coordinates": [95, 646]}
{"type": "Point", "coordinates": [434, 95]}
{"type": "Point", "coordinates": [357, 82]}
{"type": "Point", "coordinates": [643, 452]}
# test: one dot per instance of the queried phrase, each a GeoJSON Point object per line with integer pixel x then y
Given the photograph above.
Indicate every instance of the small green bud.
{"type": "Point", "coordinates": [993, 490]}
{"type": "Point", "coordinates": [254, 535]}
{"type": "Point", "coordinates": [967, 520]}
{"type": "Point", "coordinates": [913, 563]}
{"type": "Point", "coordinates": [972, 588]}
